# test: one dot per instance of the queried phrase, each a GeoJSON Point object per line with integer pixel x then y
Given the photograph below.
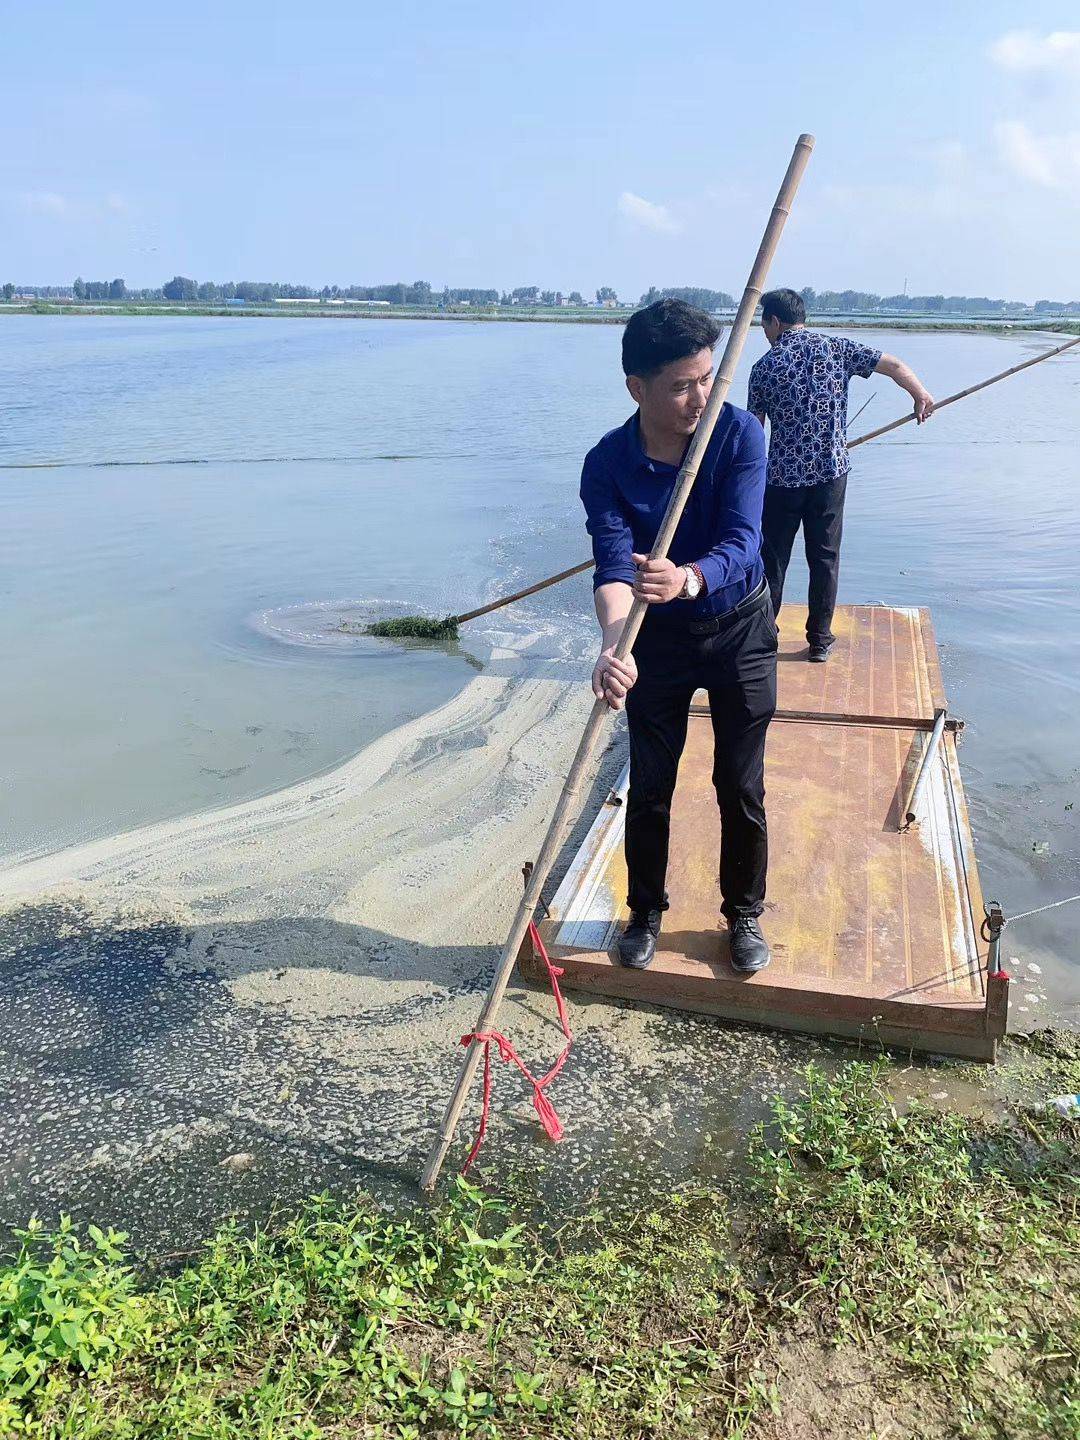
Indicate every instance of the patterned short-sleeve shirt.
{"type": "Point", "coordinates": [802, 386]}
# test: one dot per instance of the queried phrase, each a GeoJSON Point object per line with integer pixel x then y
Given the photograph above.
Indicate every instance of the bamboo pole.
{"type": "Point", "coordinates": [521, 594]}
{"type": "Point", "coordinates": [962, 394]}
{"type": "Point", "coordinates": [560, 821]}
{"type": "Point", "coordinates": [870, 435]}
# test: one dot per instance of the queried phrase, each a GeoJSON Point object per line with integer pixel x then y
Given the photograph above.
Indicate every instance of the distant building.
{"type": "Point", "coordinates": [236, 304]}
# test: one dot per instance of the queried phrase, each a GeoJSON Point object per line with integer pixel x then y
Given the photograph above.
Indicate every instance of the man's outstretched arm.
{"type": "Point", "coordinates": [905, 377]}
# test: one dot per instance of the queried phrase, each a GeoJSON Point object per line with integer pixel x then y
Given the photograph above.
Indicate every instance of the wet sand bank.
{"type": "Point", "coordinates": [236, 1010]}
{"type": "Point", "coordinates": [248, 1005]}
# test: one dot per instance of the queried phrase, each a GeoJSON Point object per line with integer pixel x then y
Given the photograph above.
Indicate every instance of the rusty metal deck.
{"type": "Point", "coordinates": [874, 930]}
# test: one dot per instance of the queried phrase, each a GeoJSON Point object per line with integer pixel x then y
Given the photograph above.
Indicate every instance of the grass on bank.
{"type": "Point", "coordinates": [950, 1248]}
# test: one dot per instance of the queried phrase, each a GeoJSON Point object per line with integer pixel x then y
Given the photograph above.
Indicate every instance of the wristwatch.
{"type": "Point", "coordinates": [692, 586]}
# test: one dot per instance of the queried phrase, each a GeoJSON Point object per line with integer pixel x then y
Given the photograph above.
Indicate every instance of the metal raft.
{"type": "Point", "coordinates": [874, 911]}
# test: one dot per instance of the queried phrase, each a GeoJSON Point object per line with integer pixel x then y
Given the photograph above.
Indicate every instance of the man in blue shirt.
{"type": "Point", "coordinates": [709, 624]}
{"type": "Point", "coordinates": [802, 386]}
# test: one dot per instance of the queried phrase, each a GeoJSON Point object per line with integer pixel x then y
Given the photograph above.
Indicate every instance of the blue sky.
{"type": "Point", "coordinates": [562, 145]}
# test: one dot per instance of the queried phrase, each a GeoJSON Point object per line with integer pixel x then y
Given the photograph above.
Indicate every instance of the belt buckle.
{"type": "Point", "coordinates": [716, 623]}
{"type": "Point", "coordinates": [705, 627]}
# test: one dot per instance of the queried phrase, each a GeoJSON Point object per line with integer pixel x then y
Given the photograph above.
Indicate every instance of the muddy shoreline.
{"type": "Point", "coordinates": [228, 1013]}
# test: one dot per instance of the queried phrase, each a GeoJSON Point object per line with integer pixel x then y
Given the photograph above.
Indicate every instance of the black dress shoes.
{"type": "Point", "coordinates": [819, 654]}
{"type": "Point", "coordinates": [749, 948]}
{"type": "Point", "coordinates": [637, 943]}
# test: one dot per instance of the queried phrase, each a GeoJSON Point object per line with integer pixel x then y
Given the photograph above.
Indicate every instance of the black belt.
{"type": "Point", "coordinates": [715, 623]}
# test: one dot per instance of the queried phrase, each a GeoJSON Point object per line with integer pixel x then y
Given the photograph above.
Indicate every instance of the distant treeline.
{"type": "Point", "coordinates": [181, 289]}
{"type": "Point", "coordinates": [854, 302]}
{"type": "Point", "coordinates": [693, 295]}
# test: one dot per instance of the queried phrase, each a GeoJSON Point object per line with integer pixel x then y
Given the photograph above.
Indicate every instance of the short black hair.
{"type": "Point", "coordinates": [786, 305]}
{"type": "Point", "coordinates": [666, 331]}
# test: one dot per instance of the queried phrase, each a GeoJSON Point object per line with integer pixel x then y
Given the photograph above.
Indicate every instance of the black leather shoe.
{"type": "Point", "coordinates": [637, 943]}
{"type": "Point", "coordinates": [749, 948]}
{"type": "Point", "coordinates": [819, 654]}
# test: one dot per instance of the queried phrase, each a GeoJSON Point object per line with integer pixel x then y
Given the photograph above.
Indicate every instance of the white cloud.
{"type": "Point", "coordinates": [1043, 148]}
{"type": "Point", "coordinates": [644, 213]}
{"type": "Point", "coordinates": [1052, 161]}
{"type": "Point", "coordinates": [1026, 50]}
{"type": "Point", "coordinates": [52, 206]}
{"type": "Point", "coordinates": [45, 202]}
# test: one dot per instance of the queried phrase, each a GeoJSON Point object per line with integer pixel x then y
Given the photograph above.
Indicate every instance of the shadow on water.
{"type": "Point", "coordinates": [449, 645]}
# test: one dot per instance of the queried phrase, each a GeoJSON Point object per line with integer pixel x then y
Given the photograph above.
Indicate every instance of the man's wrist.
{"type": "Point", "coordinates": [699, 587]}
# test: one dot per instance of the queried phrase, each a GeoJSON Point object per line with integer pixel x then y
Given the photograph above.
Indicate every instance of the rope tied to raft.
{"type": "Point", "coordinates": [994, 924]}
{"type": "Point", "coordinates": [545, 1110]}
{"type": "Point", "coordinates": [1003, 921]}
{"type": "Point", "coordinates": [1069, 900]}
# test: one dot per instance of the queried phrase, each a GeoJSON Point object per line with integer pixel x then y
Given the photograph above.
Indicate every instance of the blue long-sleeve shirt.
{"type": "Point", "coordinates": [625, 495]}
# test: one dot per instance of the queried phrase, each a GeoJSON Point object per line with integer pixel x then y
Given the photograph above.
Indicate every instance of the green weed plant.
{"type": "Point", "coordinates": [955, 1243]}
{"type": "Point", "coordinates": [948, 1245]}
{"type": "Point", "coordinates": [414, 627]}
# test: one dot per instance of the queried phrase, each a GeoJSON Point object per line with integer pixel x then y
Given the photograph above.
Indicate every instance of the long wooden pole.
{"type": "Point", "coordinates": [521, 594]}
{"type": "Point", "coordinates": [564, 809]}
{"type": "Point", "coordinates": [962, 394]}
{"type": "Point", "coordinates": [870, 435]}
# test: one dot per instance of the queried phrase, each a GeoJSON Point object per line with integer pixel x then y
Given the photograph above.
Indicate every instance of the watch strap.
{"type": "Point", "coordinates": [703, 589]}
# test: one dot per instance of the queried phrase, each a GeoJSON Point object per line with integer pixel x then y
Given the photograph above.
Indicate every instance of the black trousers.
{"type": "Point", "coordinates": [819, 509]}
{"type": "Point", "coordinates": [738, 668]}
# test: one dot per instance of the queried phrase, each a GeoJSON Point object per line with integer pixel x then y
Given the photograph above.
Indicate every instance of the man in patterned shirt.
{"type": "Point", "coordinates": [802, 386]}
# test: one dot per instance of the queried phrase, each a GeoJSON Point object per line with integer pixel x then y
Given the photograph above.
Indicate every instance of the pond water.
{"type": "Point", "coordinates": [187, 508]}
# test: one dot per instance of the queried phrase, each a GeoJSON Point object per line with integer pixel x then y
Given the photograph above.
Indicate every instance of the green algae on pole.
{"type": "Point", "coordinates": [412, 627]}
{"type": "Point", "coordinates": [423, 627]}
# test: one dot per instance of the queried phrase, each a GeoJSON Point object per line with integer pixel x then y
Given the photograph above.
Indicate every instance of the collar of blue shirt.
{"type": "Point", "coordinates": [634, 450]}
